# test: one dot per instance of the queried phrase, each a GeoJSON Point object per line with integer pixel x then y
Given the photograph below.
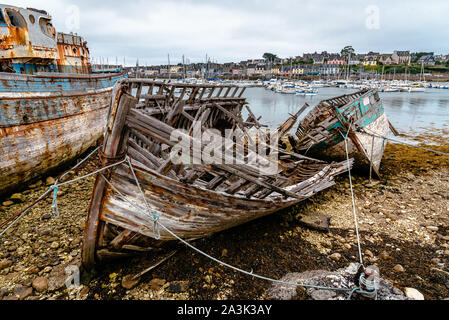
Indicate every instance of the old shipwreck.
{"type": "Point", "coordinates": [359, 116]}
{"type": "Point", "coordinates": [145, 188]}
{"type": "Point", "coordinates": [52, 108]}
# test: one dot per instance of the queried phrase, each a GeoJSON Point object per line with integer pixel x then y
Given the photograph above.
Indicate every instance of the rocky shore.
{"type": "Point", "coordinates": [403, 222]}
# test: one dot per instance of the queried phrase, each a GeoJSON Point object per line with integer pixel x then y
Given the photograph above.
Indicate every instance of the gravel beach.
{"type": "Point", "coordinates": [403, 223]}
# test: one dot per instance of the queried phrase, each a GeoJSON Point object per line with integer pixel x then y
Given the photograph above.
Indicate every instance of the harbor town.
{"type": "Point", "coordinates": [317, 176]}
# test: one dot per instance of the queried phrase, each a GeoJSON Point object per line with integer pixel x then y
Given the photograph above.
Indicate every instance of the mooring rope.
{"type": "Point", "coordinates": [364, 131]}
{"type": "Point", "coordinates": [157, 221]}
{"type": "Point", "coordinates": [356, 223]}
{"type": "Point", "coordinates": [55, 188]}
{"type": "Point", "coordinates": [370, 285]}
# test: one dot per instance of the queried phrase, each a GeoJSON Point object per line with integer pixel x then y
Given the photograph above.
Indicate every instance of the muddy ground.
{"type": "Point", "coordinates": [403, 221]}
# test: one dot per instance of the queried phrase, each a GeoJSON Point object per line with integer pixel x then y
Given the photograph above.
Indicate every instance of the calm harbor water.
{"type": "Point", "coordinates": [409, 112]}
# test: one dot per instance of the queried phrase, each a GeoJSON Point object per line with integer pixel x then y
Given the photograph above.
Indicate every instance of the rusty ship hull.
{"type": "Point", "coordinates": [47, 120]}
{"type": "Point", "coordinates": [190, 200]}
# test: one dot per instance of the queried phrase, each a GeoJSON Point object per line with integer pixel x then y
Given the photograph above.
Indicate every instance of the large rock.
{"type": "Point", "coordinates": [316, 221]}
{"type": "Point", "coordinates": [40, 284]}
{"type": "Point", "coordinates": [342, 279]}
{"type": "Point", "coordinates": [22, 292]}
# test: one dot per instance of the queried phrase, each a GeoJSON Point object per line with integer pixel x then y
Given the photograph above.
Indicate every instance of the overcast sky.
{"type": "Point", "coordinates": [235, 30]}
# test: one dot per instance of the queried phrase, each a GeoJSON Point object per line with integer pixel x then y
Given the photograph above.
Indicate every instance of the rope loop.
{"type": "Point", "coordinates": [368, 286]}
{"type": "Point", "coordinates": [54, 204]}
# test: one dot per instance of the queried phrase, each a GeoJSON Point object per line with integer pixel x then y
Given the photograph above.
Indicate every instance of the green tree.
{"type": "Point", "coordinates": [346, 51]}
{"type": "Point", "coordinates": [269, 56]}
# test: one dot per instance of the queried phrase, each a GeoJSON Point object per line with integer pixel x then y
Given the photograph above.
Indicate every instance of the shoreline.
{"type": "Point", "coordinates": [407, 209]}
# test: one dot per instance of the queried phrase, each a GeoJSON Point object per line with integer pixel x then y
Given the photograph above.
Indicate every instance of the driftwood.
{"type": "Point", "coordinates": [192, 198]}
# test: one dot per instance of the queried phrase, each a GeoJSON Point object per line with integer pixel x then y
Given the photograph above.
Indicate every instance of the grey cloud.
{"type": "Point", "coordinates": [234, 30]}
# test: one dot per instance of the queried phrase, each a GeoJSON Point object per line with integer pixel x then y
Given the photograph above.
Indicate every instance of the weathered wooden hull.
{"type": "Point", "coordinates": [45, 122]}
{"type": "Point", "coordinates": [360, 115]}
{"type": "Point", "coordinates": [192, 201]}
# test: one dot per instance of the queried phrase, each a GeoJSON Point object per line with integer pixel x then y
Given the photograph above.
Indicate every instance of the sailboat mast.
{"type": "Point", "coordinates": [168, 56]}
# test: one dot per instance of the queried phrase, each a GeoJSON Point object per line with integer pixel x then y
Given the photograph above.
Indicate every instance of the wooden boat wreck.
{"type": "Point", "coordinates": [191, 199]}
{"type": "Point", "coordinates": [360, 116]}
{"type": "Point", "coordinates": [52, 108]}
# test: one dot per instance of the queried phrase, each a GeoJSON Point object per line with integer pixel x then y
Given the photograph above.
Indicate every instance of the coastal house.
{"type": "Point", "coordinates": [260, 69]}
{"type": "Point", "coordinates": [312, 70]}
{"type": "Point", "coordinates": [317, 58]}
{"type": "Point", "coordinates": [336, 59]}
{"type": "Point", "coordinates": [237, 70]}
{"type": "Point", "coordinates": [427, 60]}
{"type": "Point", "coordinates": [401, 57]}
{"type": "Point", "coordinates": [329, 69]}
{"type": "Point", "coordinates": [286, 71]}
{"type": "Point", "coordinates": [298, 70]}
{"type": "Point", "coordinates": [354, 61]}
{"type": "Point", "coordinates": [275, 70]}
{"type": "Point", "coordinates": [370, 61]}
{"type": "Point", "coordinates": [250, 69]}
{"type": "Point", "coordinates": [441, 58]}
{"type": "Point", "coordinates": [386, 59]}
{"type": "Point", "coordinates": [175, 69]}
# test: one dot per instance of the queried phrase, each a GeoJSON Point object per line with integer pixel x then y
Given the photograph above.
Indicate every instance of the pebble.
{"type": "Point", "coordinates": [128, 282]}
{"type": "Point", "coordinates": [54, 245]}
{"type": "Point", "coordinates": [27, 282]}
{"type": "Point", "coordinates": [47, 269]}
{"type": "Point", "coordinates": [369, 253]}
{"type": "Point", "coordinates": [8, 203]}
{"type": "Point", "coordinates": [18, 198]}
{"type": "Point", "coordinates": [84, 291]}
{"type": "Point", "coordinates": [432, 228]}
{"type": "Point", "coordinates": [224, 252]}
{"type": "Point", "coordinates": [384, 255]}
{"type": "Point", "coordinates": [35, 185]}
{"type": "Point", "coordinates": [413, 294]}
{"type": "Point", "coordinates": [40, 284]}
{"type": "Point", "coordinates": [49, 181]}
{"type": "Point", "coordinates": [178, 286]}
{"type": "Point", "coordinates": [398, 268]}
{"type": "Point", "coordinates": [22, 292]}
{"type": "Point", "coordinates": [335, 256]}
{"type": "Point", "coordinates": [3, 292]}
{"type": "Point", "coordinates": [5, 264]}
{"type": "Point", "coordinates": [46, 216]}
{"type": "Point", "coordinates": [156, 283]}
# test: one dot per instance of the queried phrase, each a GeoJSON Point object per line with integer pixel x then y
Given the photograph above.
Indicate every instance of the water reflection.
{"type": "Point", "coordinates": [407, 111]}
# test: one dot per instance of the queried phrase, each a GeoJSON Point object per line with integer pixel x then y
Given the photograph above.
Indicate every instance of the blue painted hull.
{"type": "Point", "coordinates": [47, 120]}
